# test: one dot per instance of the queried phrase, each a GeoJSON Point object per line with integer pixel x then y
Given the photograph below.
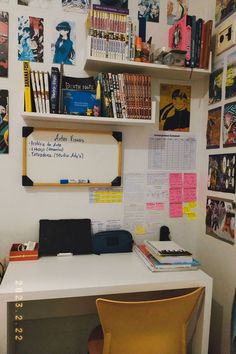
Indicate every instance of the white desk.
{"type": "Point", "coordinates": [92, 275]}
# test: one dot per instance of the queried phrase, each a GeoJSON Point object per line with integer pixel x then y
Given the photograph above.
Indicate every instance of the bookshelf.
{"type": "Point", "coordinates": [48, 117]}
{"type": "Point", "coordinates": [155, 70]}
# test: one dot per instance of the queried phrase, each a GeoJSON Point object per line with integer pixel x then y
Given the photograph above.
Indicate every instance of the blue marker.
{"type": "Point", "coordinates": [64, 181]}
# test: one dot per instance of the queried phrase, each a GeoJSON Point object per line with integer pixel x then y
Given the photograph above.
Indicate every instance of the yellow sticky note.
{"type": "Point", "coordinates": [139, 230]}
{"type": "Point", "coordinates": [192, 204]}
{"type": "Point", "coordinates": [187, 210]}
{"type": "Point", "coordinates": [192, 216]}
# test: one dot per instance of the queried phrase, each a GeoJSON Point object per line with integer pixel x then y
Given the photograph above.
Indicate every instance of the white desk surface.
{"type": "Point", "coordinates": [85, 275]}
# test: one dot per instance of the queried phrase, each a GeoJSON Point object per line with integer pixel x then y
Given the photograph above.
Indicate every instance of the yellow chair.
{"type": "Point", "coordinates": [144, 327]}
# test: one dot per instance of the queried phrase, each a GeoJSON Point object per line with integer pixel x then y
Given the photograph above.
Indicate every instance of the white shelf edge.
{"type": "Point", "coordinates": [49, 117]}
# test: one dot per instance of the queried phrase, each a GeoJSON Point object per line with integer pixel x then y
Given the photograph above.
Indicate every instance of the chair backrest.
{"type": "Point", "coordinates": [147, 327]}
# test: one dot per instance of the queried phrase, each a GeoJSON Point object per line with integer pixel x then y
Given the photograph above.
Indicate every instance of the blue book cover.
{"type": "Point", "coordinates": [83, 103]}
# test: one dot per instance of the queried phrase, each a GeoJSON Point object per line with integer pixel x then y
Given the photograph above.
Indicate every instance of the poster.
{"type": "Point", "coordinates": [221, 173]}
{"type": "Point", "coordinates": [30, 39]}
{"type": "Point", "coordinates": [35, 3]}
{"type": "Point", "coordinates": [115, 3]}
{"type": "Point", "coordinates": [223, 9]}
{"type": "Point", "coordinates": [230, 87]}
{"type": "Point", "coordinates": [175, 107]}
{"type": "Point", "coordinates": [215, 82]}
{"type": "Point", "coordinates": [63, 50]}
{"type": "Point", "coordinates": [213, 128]}
{"type": "Point", "coordinates": [176, 10]}
{"type": "Point", "coordinates": [4, 17]}
{"type": "Point", "coordinates": [229, 125]}
{"type": "Point", "coordinates": [76, 5]}
{"type": "Point", "coordinates": [149, 9]}
{"type": "Point", "coordinates": [4, 138]}
{"type": "Point", "coordinates": [220, 219]}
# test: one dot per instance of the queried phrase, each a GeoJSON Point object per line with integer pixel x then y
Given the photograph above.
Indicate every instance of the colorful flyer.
{"type": "Point", "coordinates": [80, 6]}
{"type": "Point", "coordinates": [213, 128]}
{"type": "Point", "coordinates": [220, 219]}
{"type": "Point", "coordinates": [230, 87]}
{"type": "Point", "coordinates": [221, 173]}
{"type": "Point", "coordinates": [4, 17]}
{"type": "Point", "coordinates": [215, 82]}
{"type": "Point", "coordinates": [229, 125]}
{"type": "Point", "coordinates": [63, 47]}
{"type": "Point", "coordinates": [176, 10]}
{"type": "Point", "coordinates": [30, 39]}
{"type": "Point", "coordinates": [175, 107]}
{"type": "Point", "coordinates": [4, 131]}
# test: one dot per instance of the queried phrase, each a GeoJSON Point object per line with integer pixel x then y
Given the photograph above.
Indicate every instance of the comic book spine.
{"type": "Point", "coordinates": [35, 94]}
{"type": "Point", "coordinates": [54, 89]}
{"type": "Point", "coordinates": [27, 88]}
{"type": "Point", "coordinates": [46, 86]}
{"type": "Point", "coordinates": [42, 90]}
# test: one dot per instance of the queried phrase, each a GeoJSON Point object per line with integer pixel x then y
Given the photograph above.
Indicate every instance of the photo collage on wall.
{"type": "Point", "coordinates": [220, 219]}
{"type": "Point", "coordinates": [175, 107]}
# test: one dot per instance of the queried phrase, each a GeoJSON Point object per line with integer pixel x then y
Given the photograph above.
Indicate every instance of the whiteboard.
{"type": "Point", "coordinates": [69, 157]}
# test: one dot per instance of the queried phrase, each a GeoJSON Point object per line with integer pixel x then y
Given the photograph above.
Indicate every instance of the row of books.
{"type": "Point", "coordinates": [111, 33]}
{"type": "Point", "coordinates": [165, 256]}
{"type": "Point", "coordinates": [126, 95]}
{"type": "Point", "coordinates": [108, 95]}
{"type": "Point", "coordinates": [193, 36]}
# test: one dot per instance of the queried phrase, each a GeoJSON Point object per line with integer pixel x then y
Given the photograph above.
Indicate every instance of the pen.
{"type": "Point", "coordinates": [77, 181]}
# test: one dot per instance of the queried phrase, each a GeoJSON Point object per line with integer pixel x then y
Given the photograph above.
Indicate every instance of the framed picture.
{"type": "Point", "coordinates": [221, 173]}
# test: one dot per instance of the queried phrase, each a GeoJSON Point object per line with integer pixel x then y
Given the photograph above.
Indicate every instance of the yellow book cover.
{"type": "Point", "coordinates": [27, 89]}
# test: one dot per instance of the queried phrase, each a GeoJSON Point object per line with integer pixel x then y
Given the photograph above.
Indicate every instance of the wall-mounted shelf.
{"type": "Point", "coordinates": [155, 70]}
{"type": "Point", "coordinates": [48, 117]}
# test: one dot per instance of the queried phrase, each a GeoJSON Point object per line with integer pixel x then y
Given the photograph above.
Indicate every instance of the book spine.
{"type": "Point", "coordinates": [198, 41]}
{"type": "Point", "coordinates": [35, 94]}
{"type": "Point", "coordinates": [37, 84]}
{"type": "Point", "coordinates": [27, 88]}
{"type": "Point", "coordinates": [46, 86]}
{"type": "Point", "coordinates": [54, 89]}
{"type": "Point", "coordinates": [42, 90]}
{"type": "Point", "coordinates": [193, 42]}
{"type": "Point", "coordinates": [202, 45]}
{"type": "Point", "coordinates": [189, 26]}
{"type": "Point", "coordinates": [60, 103]}
{"type": "Point", "coordinates": [207, 44]}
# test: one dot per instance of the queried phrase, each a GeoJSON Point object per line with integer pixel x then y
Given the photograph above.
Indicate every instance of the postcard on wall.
{"type": "Point", "coordinates": [215, 82]}
{"type": "Point", "coordinates": [31, 39]}
{"type": "Point", "coordinates": [4, 122]}
{"type": "Point", "coordinates": [149, 9]}
{"type": "Point", "coordinates": [175, 107]}
{"type": "Point", "coordinates": [63, 47]}
{"type": "Point", "coordinates": [80, 6]}
{"type": "Point", "coordinates": [221, 173]}
{"type": "Point", "coordinates": [35, 3]}
{"type": "Point", "coordinates": [220, 219]}
{"type": "Point", "coordinates": [4, 17]}
{"type": "Point", "coordinates": [230, 87]}
{"type": "Point", "coordinates": [213, 128]}
{"type": "Point", "coordinates": [176, 10]}
{"type": "Point", "coordinates": [223, 10]}
{"type": "Point", "coordinates": [229, 125]}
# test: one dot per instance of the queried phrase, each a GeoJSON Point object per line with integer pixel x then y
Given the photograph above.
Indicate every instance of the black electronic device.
{"type": "Point", "coordinates": [164, 233]}
{"type": "Point", "coordinates": [114, 241]}
{"type": "Point", "coordinates": [65, 236]}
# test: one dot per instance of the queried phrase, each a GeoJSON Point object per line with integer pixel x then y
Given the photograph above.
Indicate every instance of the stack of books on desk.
{"type": "Point", "coordinates": [165, 256]}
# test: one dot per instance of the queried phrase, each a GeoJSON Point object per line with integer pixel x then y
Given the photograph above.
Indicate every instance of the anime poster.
{"type": "Point", "coordinates": [215, 82]}
{"type": "Point", "coordinates": [175, 107]}
{"type": "Point", "coordinates": [115, 3]}
{"type": "Point", "coordinates": [4, 121]}
{"type": "Point", "coordinates": [176, 9]}
{"type": "Point", "coordinates": [4, 17]}
{"type": "Point", "coordinates": [221, 173]}
{"type": "Point", "coordinates": [213, 128]}
{"type": "Point", "coordinates": [35, 3]}
{"type": "Point", "coordinates": [220, 219]}
{"type": "Point", "coordinates": [229, 125]}
{"type": "Point", "coordinates": [230, 87]}
{"type": "Point", "coordinates": [63, 50]}
{"type": "Point", "coordinates": [149, 9]}
{"type": "Point", "coordinates": [30, 38]}
{"type": "Point", "coordinates": [223, 9]}
{"type": "Point", "coordinates": [76, 5]}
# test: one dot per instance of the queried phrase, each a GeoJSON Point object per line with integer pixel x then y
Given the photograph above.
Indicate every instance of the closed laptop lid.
{"type": "Point", "coordinates": [64, 235]}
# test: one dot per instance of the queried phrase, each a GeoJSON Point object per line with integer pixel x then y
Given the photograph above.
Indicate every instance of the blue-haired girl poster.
{"type": "Point", "coordinates": [30, 39]}
{"type": "Point", "coordinates": [63, 51]}
{"type": "Point", "coordinates": [4, 121]}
